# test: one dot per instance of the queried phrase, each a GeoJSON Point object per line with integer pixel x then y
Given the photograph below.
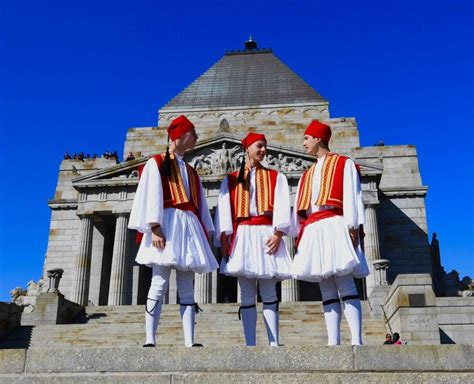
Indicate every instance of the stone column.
{"type": "Point", "coordinates": [202, 288]}
{"type": "Point", "coordinates": [97, 256]}
{"type": "Point", "coordinates": [214, 286]}
{"type": "Point", "coordinates": [135, 283]}
{"type": "Point", "coordinates": [289, 288]}
{"type": "Point", "coordinates": [119, 262]}
{"type": "Point", "coordinates": [238, 291]}
{"type": "Point", "coordinates": [80, 284]}
{"type": "Point", "coordinates": [173, 288]}
{"type": "Point", "coordinates": [371, 245]}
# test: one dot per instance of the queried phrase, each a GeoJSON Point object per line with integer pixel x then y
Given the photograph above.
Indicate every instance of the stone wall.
{"type": "Point", "coordinates": [401, 215]}
{"type": "Point", "coordinates": [410, 309]}
{"type": "Point", "coordinates": [10, 317]}
{"type": "Point", "coordinates": [282, 126]}
{"type": "Point", "coordinates": [64, 225]}
{"type": "Point", "coordinates": [456, 319]}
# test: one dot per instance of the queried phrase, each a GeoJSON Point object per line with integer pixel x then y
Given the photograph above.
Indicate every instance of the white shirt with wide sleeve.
{"type": "Point", "coordinates": [187, 246]}
{"type": "Point", "coordinates": [325, 247]}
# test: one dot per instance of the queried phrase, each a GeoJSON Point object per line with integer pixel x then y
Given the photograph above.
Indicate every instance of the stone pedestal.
{"type": "Point", "coordinates": [202, 288]}
{"type": "Point", "coordinates": [52, 308]}
{"type": "Point", "coordinates": [80, 284]}
{"type": "Point", "coordinates": [377, 300]}
{"type": "Point", "coordinates": [410, 307]}
{"type": "Point", "coordinates": [119, 268]}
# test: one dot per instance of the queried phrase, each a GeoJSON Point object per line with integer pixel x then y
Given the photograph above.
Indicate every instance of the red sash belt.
{"type": "Point", "coordinates": [317, 216]}
{"type": "Point", "coordinates": [253, 220]}
{"type": "Point", "coordinates": [256, 220]}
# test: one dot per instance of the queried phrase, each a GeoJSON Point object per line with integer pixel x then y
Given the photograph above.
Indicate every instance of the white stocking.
{"type": "Point", "coordinates": [188, 315]}
{"type": "Point", "coordinates": [152, 317]}
{"type": "Point", "coordinates": [332, 315]}
{"type": "Point", "coordinates": [353, 314]}
{"type": "Point", "coordinates": [271, 318]}
{"type": "Point", "coordinates": [156, 293]}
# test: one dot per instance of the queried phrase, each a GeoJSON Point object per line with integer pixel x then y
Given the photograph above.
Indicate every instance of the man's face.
{"type": "Point", "coordinates": [311, 143]}
{"type": "Point", "coordinates": [188, 140]}
{"type": "Point", "coordinates": [257, 150]}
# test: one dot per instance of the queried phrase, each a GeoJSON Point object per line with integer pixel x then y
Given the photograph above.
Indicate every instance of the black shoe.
{"type": "Point", "coordinates": [198, 345]}
{"type": "Point", "coordinates": [149, 345]}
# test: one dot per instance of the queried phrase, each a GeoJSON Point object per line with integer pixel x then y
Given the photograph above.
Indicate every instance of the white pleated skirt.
{"type": "Point", "coordinates": [250, 258]}
{"type": "Point", "coordinates": [187, 247]}
{"type": "Point", "coordinates": [326, 249]}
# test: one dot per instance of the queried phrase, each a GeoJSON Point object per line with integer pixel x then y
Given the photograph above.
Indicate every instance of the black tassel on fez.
{"type": "Point", "coordinates": [240, 177]}
{"type": "Point", "coordinates": [166, 169]}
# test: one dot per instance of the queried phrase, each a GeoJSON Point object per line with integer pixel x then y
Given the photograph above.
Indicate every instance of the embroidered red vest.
{"type": "Point", "coordinates": [174, 191]}
{"type": "Point", "coordinates": [331, 187]}
{"type": "Point", "coordinates": [265, 183]}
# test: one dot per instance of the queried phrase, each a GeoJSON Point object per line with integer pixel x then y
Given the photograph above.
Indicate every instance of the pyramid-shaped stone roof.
{"type": "Point", "coordinates": [246, 78]}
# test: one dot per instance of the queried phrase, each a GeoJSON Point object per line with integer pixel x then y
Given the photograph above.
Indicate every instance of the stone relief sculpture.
{"type": "Point", "coordinates": [27, 298]}
{"type": "Point", "coordinates": [17, 294]}
{"type": "Point", "coordinates": [221, 161]}
{"type": "Point", "coordinates": [201, 164]}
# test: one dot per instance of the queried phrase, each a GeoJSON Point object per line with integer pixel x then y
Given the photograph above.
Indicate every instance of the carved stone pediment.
{"type": "Point", "coordinates": [125, 173]}
{"type": "Point", "coordinates": [216, 157]}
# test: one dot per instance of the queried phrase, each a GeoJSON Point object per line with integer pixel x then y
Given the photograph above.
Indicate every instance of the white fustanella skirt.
{"type": "Point", "coordinates": [250, 258]}
{"type": "Point", "coordinates": [187, 247]}
{"type": "Point", "coordinates": [326, 249]}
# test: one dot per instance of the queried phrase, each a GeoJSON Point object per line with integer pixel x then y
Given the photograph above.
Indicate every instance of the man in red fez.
{"type": "Point", "coordinates": [327, 218]}
{"type": "Point", "coordinates": [249, 226]}
{"type": "Point", "coordinates": [171, 212]}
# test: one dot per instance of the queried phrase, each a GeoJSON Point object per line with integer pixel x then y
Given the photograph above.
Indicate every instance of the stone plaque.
{"type": "Point", "coordinates": [416, 300]}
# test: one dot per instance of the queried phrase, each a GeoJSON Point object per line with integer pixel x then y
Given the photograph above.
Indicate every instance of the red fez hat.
{"type": "Point", "coordinates": [252, 138]}
{"type": "Point", "coordinates": [319, 130]}
{"type": "Point", "coordinates": [179, 127]}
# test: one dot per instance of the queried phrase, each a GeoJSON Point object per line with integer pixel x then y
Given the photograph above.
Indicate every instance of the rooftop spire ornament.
{"type": "Point", "coordinates": [250, 45]}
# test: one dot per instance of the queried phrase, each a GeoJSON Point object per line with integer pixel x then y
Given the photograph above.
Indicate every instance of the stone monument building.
{"type": "Point", "coordinates": [244, 91]}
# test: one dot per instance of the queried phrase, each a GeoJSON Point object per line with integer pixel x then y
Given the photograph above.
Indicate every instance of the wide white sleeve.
{"type": "Point", "coordinates": [206, 218]}
{"type": "Point", "coordinates": [354, 214]}
{"type": "Point", "coordinates": [148, 203]}
{"type": "Point", "coordinates": [295, 219]}
{"type": "Point", "coordinates": [223, 217]}
{"type": "Point", "coordinates": [281, 208]}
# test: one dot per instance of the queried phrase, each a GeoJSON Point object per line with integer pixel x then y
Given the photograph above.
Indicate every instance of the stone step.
{"type": "Point", "coordinates": [303, 364]}
{"type": "Point", "coordinates": [218, 325]}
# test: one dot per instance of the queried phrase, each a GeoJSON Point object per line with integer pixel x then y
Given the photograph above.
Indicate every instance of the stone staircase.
{"type": "Point", "coordinates": [217, 325]}
{"type": "Point", "coordinates": [295, 364]}
{"type": "Point", "coordinates": [105, 347]}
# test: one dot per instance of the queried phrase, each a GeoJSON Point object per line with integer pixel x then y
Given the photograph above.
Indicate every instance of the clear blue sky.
{"type": "Point", "coordinates": [75, 75]}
